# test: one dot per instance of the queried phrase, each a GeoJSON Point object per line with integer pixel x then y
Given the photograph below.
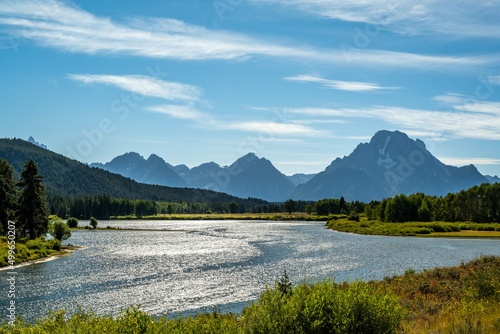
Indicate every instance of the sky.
{"type": "Point", "coordinates": [299, 82]}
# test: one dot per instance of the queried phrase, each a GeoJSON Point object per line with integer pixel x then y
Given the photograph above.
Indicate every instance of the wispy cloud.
{"type": "Point", "coordinates": [190, 95]}
{"type": "Point", "coordinates": [144, 85]}
{"type": "Point", "coordinates": [65, 27]}
{"type": "Point", "coordinates": [178, 111]}
{"type": "Point", "coordinates": [274, 128]}
{"type": "Point", "coordinates": [479, 121]}
{"type": "Point", "coordinates": [351, 86]}
{"type": "Point", "coordinates": [468, 161]}
{"type": "Point", "coordinates": [459, 18]}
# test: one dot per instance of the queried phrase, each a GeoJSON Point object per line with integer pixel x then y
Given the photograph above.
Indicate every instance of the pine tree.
{"type": "Point", "coordinates": [32, 213]}
{"type": "Point", "coordinates": [7, 193]}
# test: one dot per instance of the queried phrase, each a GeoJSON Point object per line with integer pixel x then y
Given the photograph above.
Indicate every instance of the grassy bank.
{"type": "Point", "coordinates": [463, 299]}
{"type": "Point", "coordinates": [423, 229]}
{"type": "Point", "coordinates": [29, 250]}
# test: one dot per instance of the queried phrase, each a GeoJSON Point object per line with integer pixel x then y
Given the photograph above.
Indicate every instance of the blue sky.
{"type": "Point", "coordinates": [299, 82]}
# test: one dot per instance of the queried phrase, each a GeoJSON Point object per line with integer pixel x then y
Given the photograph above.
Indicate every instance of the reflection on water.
{"type": "Point", "coordinates": [187, 266]}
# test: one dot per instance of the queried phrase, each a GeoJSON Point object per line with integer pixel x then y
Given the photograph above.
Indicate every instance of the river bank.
{"type": "Point", "coordinates": [25, 252]}
{"type": "Point", "coordinates": [419, 229]}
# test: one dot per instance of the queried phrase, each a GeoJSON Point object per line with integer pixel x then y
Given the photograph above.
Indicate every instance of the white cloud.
{"type": "Point", "coordinates": [68, 28]}
{"type": "Point", "coordinates": [481, 107]}
{"type": "Point", "coordinates": [274, 128]}
{"type": "Point", "coordinates": [451, 98]}
{"type": "Point", "coordinates": [144, 85]}
{"type": "Point", "coordinates": [447, 124]}
{"type": "Point", "coordinates": [174, 91]}
{"type": "Point", "coordinates": [468, 161]}
{"type": "Point", "coordinates": [459, 18]}
{"type": "Point", "coordinates": [178, 111]}
{"type": "Point", "coordinates": [352, 86]}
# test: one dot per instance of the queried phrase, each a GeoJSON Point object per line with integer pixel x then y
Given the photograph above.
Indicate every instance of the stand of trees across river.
{"type": "Point", "coordinates": [479, 204]}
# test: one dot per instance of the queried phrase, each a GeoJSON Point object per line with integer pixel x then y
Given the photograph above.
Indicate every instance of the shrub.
{"type": "Point", "coordinates": [353, 216]}
{"type": "Point", "coordinates": [34, 244]}
{"type": "Point", "coordinates": [93, 222]}
{"type": "Point", "coordinates": [324, 307]}
{"type": "Point", "coordinates": [72, 222]}
{"type": "Point", "coordinates": [55, 244]}
{"type": "Point", "coordinates": [60, 230]}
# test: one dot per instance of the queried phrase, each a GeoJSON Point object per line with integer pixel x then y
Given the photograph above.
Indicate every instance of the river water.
{"type": "Point", "coordinates": [190, 266]}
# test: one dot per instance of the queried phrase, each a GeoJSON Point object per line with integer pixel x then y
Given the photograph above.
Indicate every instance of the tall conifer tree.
{"type": "Point", "coordinates": [7, 193]}
{"type": "Point", "coordinates": [32, 213]}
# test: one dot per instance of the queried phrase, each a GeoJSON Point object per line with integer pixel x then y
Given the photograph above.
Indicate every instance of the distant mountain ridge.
{"type": "Point", "coordinates": [249, 176]}
{"type": "Point", "coordinates": [154, 170]}
{"type": "Point", "coordinates": [391, 163]}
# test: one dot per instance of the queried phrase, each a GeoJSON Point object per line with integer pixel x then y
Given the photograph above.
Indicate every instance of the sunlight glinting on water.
{"type": "Point", "coordinates": [202, 264]}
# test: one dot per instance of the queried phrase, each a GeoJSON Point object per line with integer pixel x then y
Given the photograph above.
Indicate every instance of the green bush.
{"type": "Point", "coordinates": [93, 222]}
{"type": "Point", "coordinates": [353, 216]}
{"type": "Point", "coordinates": [324, 307]}
{"type": "Point", "coordinates": [34, 244]}
{"type": "Point", "coordinates": [72, 222]}
{"type": "Point", "coordinates": [55, 244]}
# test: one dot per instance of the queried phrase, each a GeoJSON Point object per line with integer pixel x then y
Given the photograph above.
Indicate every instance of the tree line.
{"type": "Point", "coordinates": [479, 204]}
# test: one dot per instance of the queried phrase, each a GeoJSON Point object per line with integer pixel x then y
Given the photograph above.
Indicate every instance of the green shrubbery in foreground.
{"type": "Point", "coordinates": [28, 250]}
{"type": "Point", "coordinates": [323, 307]}
{"type": "Point", "coordinates": [463, 299]}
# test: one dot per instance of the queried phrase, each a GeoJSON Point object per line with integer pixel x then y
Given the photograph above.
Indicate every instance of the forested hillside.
{"type": "Point", "coordinates": [66, 177]}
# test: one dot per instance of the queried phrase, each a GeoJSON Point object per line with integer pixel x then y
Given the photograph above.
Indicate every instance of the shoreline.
{"type": "Point", "coordinates": [414, 229]}
{"type": "Point", "coordinates": [65, 251]}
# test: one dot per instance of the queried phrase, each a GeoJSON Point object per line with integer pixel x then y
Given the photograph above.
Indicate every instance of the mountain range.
{"type": "Point", "coordinates": [66, 177]}
{"type": "Point", "coordinates": [391, 163]}
{"type": "Point", "coordinates": [249, 176]}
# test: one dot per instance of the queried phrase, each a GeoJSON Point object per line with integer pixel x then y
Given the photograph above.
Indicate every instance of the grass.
{"type": "Point", "coordinates": [29, 250]}
{"type": "Point", "coordinates": [421, 229]}
{"type": "Point", "coordinates": [462, 299]}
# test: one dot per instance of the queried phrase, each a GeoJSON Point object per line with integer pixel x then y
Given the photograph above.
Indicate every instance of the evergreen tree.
{"type": "Point", "coordinates": [290, 206]}
{"type": "Point", "coordinates": [32, 213]}
{"type": "Point", "coordinates": [7, 193]}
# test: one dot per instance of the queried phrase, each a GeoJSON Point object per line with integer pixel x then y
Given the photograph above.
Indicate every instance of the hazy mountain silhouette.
{"type": "Point", "coordinates": [300, 178]}
{"type": "Point", "coordinates": [154, 170]}
{"type": "Point", "coordinates": [391, 163]}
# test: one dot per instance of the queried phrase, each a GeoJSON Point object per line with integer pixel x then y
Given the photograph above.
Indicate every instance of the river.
{"type": "Point", "coordinates": [190, 266]}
